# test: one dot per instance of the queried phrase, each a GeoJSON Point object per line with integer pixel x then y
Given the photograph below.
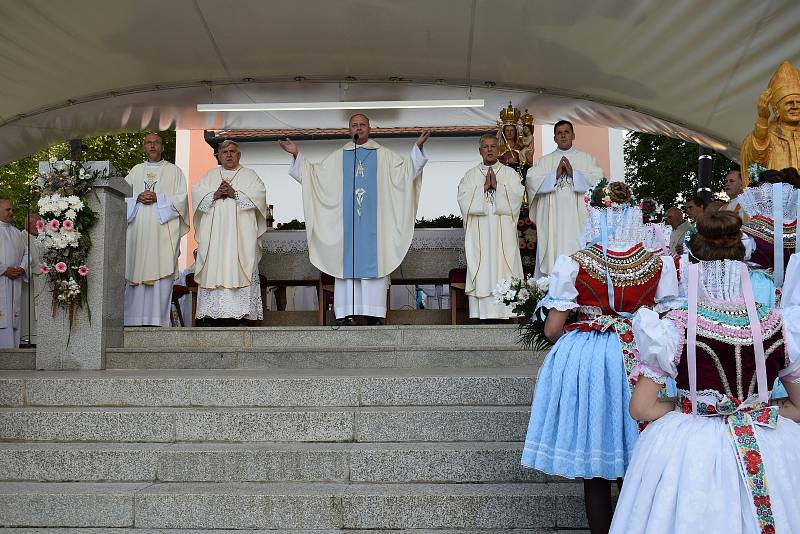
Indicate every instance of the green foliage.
{"type": "Point", "coordinates": [666, 169]}
{"type": "Point", "coordinates": [442, 221]}
{"type": "Point", "coordinates": [294, 224]}
{"type": "Point", "coordinates": [18, 179]}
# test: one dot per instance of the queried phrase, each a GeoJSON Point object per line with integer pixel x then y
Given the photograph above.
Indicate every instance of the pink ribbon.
{"type": "Point", "coordinates": [755, 327]}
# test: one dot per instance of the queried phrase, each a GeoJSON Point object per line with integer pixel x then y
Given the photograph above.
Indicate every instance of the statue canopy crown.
{"type": "Point", "coordinates": [509, 115]}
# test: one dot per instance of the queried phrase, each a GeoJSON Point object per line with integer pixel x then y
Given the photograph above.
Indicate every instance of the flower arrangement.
{"type": "Point", "coordinates": [63, 232]}
{"type": "Point", "coordinates": [523, 296]}
{"type": "Point", "coordinates": [755, 170]}
{"type": "Point", "coordinates": [652, 211]}
{"type": "Point", "coordinates": [607, 194]}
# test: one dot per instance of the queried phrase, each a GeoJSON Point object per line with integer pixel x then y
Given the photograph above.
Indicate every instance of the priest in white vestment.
{"type": "Point", "coordinates": [158, 216]}
{"type": "Point", "coordinates": [34, 282]}
{"type": "Point", "coordinates": [229, 205]}
{"type": "Point", "coordinates": [13, 262]}
{"type": "Point", "coordinates": [360, 205]}
{"type": "Point", "coordinates": [490, 197]}
{"type": "Point", "coordinates": [555, 191]}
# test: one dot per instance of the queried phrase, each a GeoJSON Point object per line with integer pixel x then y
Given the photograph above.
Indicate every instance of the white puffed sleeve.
{"type": "Point", "coordinates": [562, 292]}
{"type": "Point", "coordinates": [668, 289]}
{"type": "Point", "coordinates": [790, 313]}
{"type": "Point", "coordinates": [749, 246]}
{"type": "Point", "coordinates": [658, 341]}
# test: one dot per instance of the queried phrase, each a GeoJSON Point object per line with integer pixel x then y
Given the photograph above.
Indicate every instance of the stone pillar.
{"type": "Point", "coordinates": [89, 340]}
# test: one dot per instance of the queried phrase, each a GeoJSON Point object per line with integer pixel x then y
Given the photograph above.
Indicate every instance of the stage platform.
{"type": "Point", "coordinates": [402, 429]}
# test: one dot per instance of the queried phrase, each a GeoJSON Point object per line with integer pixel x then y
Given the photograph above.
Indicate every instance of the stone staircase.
{"type": "Point", "coordinates": [398, 429]}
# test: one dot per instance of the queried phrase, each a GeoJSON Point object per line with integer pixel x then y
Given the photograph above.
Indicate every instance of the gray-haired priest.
{"type": "Point", "coordinates": [360, 205]}
{"type": "Point", "coordinates": [158, 216]}
{"type": "Point", "coordinates": [490, 197]}
{"type": "Point", "coordinates": [230, 206]}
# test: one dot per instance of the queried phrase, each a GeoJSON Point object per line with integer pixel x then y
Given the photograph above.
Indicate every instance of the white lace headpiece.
{"type": "Point", "coordinates": [625, 226]}
{"type": "Point", "coordinates": [758, 201]}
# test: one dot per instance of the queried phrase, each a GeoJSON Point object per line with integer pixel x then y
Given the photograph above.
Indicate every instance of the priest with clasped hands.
{"type": "Point", "coordinates": [490, 197]}
{"type": "Point", "coordinates": [229, 204]}
{"type": "Point", "coordinates": [556, 186]}
{"type": "Point", "coordinates": [158, 216]}
{"type": "Point", "coordinates": [360, 206]}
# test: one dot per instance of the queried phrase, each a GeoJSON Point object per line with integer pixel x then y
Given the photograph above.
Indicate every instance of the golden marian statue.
{"type": "Point", "coordinates": [515, 139]}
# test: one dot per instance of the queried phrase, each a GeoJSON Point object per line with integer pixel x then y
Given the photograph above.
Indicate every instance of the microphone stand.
{"type": "Point", "coordinates": [29, 343]}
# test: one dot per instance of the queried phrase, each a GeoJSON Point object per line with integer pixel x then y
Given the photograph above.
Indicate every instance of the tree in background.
{"type": "Point", "coordinates": [666, 169]}
{"type": "Point", "coordinates": [19, 179]}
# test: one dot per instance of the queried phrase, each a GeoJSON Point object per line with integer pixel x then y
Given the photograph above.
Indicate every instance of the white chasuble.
{"type": "Point", "coordinates": [490, 237]}
{"type": "Point", "coordinates": [360, 205]}
{"type": "Point", "coordinates": [12, 254]}
{"type": "Point", "coordinates": [153, 242]}
{"type": "Point", "coordinates": [228, 232]}
{"type": "Point", "coordinates": [557, 203]}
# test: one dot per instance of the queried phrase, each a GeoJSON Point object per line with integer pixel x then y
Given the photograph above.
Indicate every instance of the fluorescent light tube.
{"type": "Point", "coordinates": [318, 106]}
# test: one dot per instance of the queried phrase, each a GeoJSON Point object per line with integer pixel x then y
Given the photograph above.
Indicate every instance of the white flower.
{"type": "Point", "coordinates": [70, 214]}
{"type": "Point", "coordinates": [81, 171]}
{"type": "Point", "coordinates": [510, 295]}
{"type": "Point", "coordinates": [523, 295]}
{"type": "Point", "coordinates": [543, 283]}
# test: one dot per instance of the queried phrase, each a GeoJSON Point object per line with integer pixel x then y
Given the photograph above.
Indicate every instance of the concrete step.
{"type": "Point", "coordinates": [293, 506]}
{"type": "Point", "coordinates": [23, 530]}
{"type": "Point", "coordinates": [386, 424]}
{"type": "Point", "coordinates": [338, 357]}
{"type": "Point", "coordinates": [298, 388]}
{"type": "Point", "coordinates": [266, 462]}
{"type": "Point", "coordinates": [419, 336]}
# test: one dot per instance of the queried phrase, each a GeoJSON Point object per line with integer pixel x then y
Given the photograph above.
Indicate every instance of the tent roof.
{"type": "Point", "coordinates": [686, 68]}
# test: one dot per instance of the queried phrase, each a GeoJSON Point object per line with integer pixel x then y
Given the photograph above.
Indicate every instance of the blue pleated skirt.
{"type": "Point", "coordinates": [579, 425]}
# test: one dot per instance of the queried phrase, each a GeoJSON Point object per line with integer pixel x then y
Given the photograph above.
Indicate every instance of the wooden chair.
{"type": "Point", "coordinates": [457, 279]}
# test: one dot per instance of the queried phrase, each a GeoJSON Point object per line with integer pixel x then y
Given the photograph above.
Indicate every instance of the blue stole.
{"type": "Point", "coordinates": [360, 212]}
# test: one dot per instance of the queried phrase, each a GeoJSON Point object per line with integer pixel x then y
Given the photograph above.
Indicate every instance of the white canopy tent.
{"type": "Point", "coordinates": [687, 68]}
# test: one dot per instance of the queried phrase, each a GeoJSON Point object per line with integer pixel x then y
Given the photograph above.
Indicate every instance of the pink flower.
{"type": "Point", "coordinates": [528, 222]}
{"type": "Point", "coordinates": [522, 244]}
{"type": "Point", "coordinates": [54, 224]}
{"type": "Point", "coordinates": [68, 225]}
{"type": "Point", "coordinates": [280, 225]}
{"type": "Point", "coordinates": [83, 270]}
{"type": "Point", "coordinates": [520, 223]}
{"type": "Point", "coordinates": [40, 226]}
{"type": "Point", "coordinates": [531, 245]}
{"type": "Point", "coordinates": [43, 268]}
{"type": "Point", "coordinates": [61, 267]}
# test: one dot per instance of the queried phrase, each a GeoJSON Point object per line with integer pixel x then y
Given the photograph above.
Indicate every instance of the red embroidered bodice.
{"type": "Point", "coordinates": [634, 273]}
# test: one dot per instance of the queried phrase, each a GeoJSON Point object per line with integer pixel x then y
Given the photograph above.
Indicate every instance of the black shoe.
{"type": "Point", "coordinates": [375, 321]}
{"type": "Point", "coordinates": [346, 321]}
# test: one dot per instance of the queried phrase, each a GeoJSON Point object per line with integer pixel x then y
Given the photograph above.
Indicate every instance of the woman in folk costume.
{"type": "Point", "coordinates": [723, 461]}
{"type": "Point", "coordinates": [772, 196]}
{"type": "Point", "coordinates": [579, 425]}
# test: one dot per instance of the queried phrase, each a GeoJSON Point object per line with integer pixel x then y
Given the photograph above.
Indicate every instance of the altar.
{"type": "Point", "coordinates": [433, 253]}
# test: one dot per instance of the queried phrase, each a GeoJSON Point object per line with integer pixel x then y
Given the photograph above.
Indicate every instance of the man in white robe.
{"type": "Point", "coordinates": [490, 197]}
{"type": "Point", "coordinates": [13, 261]}
{"type": "Point", "coordinates": [158, 216]}
{"type": "Point", "coordinates": [230, 205]}
{"type": "Point", "coordinates": [360, 205]}
{"type": "Point", "coordinates": [555, 190]}
{"type": "Point", "coordinates": [34, 282]}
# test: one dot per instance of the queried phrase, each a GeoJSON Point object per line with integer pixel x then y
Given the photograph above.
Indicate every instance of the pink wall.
{"type": "Point", "coordinates": [590, 139]}
{"type": "Point", "coordinates": [201, 159]}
